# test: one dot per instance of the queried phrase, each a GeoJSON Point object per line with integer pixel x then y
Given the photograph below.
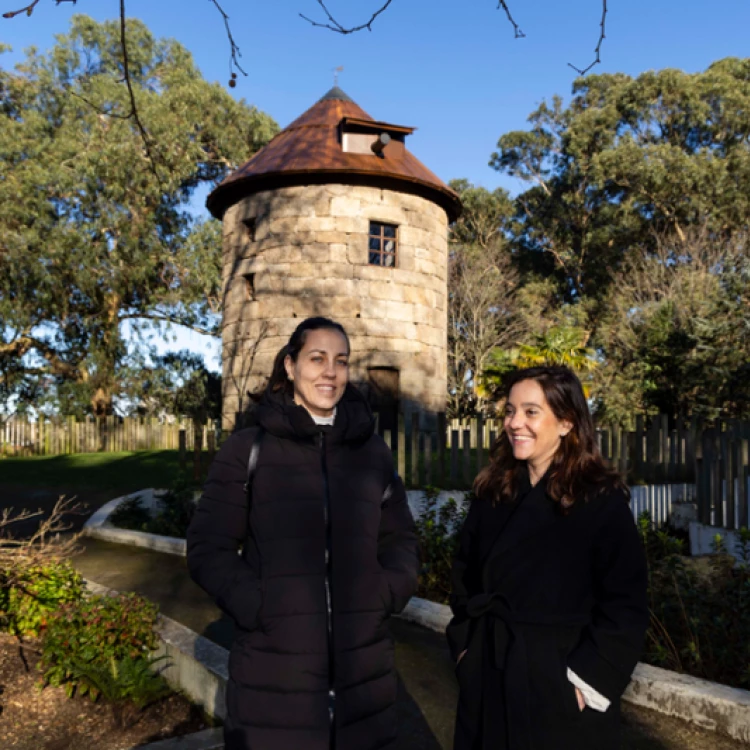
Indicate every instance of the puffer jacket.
{"type": "Point", "coordinates": [328, 553]}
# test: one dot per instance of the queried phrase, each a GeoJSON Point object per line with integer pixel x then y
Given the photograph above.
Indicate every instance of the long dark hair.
{"type": "Point", "coordinates": [577, 470]}
{"type": "Point", "coordinates": [279, 380]}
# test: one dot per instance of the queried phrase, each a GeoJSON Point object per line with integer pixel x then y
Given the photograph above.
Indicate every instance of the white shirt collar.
{"type": "Point", "coordinates": [325, 420]}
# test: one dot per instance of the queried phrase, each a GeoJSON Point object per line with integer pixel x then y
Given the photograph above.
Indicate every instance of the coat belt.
{"type": "Point", "coordinates": [509, 653]}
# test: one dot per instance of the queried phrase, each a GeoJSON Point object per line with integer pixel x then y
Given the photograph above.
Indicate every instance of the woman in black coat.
{"type": "Point", "coordinates": [549, 585]}
{"type": "Point", "coordinates": [328, 553]}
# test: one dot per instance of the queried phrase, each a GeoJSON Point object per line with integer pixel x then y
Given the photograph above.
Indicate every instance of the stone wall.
{"type": "Point", "coordinates": [308, 255]}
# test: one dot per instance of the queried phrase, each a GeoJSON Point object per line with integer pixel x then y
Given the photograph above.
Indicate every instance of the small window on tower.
{"type": "Point", "coordinates": [250, 286]}
{"type": "Point", "coordinates": [249, 224]}
{"type": "Point", "coordinates": [383, 244]}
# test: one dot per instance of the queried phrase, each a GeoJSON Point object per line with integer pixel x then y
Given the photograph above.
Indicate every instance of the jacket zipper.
{"type": "Point", "coordinates": [329, 598]}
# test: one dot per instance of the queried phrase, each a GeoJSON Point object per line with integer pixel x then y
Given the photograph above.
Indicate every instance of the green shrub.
{"type": "Point", "coordinates": [131, 514]}
{"type": "Point", "coordinates": [92, 633]}
{"type": "Point", "coordinates": [27, 602]}
{"type": "Point", "coordinates": [700, 610]}
{"type": "Point", "coordinates": [437, 532]}
{"type": "Point", "coordinates": [176, 509]}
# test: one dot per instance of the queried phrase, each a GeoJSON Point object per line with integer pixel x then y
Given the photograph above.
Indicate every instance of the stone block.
{"type": "Point", "coordinates": [293, 224]}
{"type": "Point", "coordinates": [331, 238]}
{"type": "Point", "coordinates": [432, 336]}
{"type": "Point", "coordinates": [325, 224]}
{"type": "Point", "coordinates": [405, 259]}
{"type": "Point", "coordinates": [338, 253]}
{"type": "Point", "coordinates": [385, 290]}
{"type": "Point", "coordinates": [370, 326]}
{"type": "Point", "coordinates": [338, 190]}
{"type": "Point", "coordinates": [345, 205]}
{"type": "Point", "coordinates": [418, 295]}
{"type": "Point", "coordinates": [321, 207]}
{"type": "Point", "coordinates": [356, 251]}
{"type": "Point", "coordinates": [338, 270]}
{"type": "Point", "coordinates": [351, 225]}
{"type": "Point", "coordinates": [401, 311]}
{"type": "Point", "coordinates": [315, 252]}
{"type": "Point", "coordinates": [339, 308]}
{"type": "Point", "coordinates": [269, 282]}
{"type": "Point", "coordinates": [374, 308]}
{"type": "Point", "coordinates": [386, 213]}
{"type": "Point", "coordinates": [426, 267]}
{"type": "Point", "coordinates": [410, 235]}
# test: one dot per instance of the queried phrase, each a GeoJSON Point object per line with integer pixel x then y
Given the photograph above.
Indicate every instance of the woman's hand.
{"type": "Point", "coordinates": [579, 695]}
{"type": "Point", "coordinates": [461, 656]}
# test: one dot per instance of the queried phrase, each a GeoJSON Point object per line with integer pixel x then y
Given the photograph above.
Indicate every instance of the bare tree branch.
{"type": "Point", "coordinates": [597, 51]}
{"type": "Point", "coordinates": [43, 546]}
{"type": "Point", "coordinates": [518, 34]}
{"type": "Point", "coordinates": [234, 49]}
{"type": "Point", "coordinates": [29, 9]}
{"type": "Point", "coordinates": [334, 25]}
{"type": "Point", "coordinates": [131, 93]}
{"type": "Point", "coordinates": [164, 318]}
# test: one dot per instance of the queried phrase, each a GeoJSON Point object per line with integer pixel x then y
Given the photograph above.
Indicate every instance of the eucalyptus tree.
{"type": "Point", "coordinates": [627, 160]}
{"type": "Point", "coordinates": [95, 226]}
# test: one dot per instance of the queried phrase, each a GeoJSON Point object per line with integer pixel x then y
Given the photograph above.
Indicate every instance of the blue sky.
{"type": "Point", "coordinates": [451, 69]}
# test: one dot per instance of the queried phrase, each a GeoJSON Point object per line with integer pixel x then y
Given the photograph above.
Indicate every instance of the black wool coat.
{"type": "Point", "coordinates": [536, 592]}
{"type": "Point", "coordinates": [328, 553]}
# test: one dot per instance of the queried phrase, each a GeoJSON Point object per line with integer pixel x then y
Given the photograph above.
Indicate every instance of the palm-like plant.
{"type": "Point", "coordinates": [559, 345]}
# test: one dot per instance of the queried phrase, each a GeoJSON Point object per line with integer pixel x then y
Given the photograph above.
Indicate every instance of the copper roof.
{"type": "Point", "coordinates": [309, 152]}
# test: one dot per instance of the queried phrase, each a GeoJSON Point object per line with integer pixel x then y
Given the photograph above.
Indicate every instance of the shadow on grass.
{"type": "Point", "coordinates": [124, 472]}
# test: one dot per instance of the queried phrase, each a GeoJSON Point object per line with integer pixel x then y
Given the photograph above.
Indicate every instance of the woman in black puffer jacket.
{"type": "Point", "coordinates": [328, 553]}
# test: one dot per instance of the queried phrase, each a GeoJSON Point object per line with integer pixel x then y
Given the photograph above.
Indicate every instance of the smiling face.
{"type": "Point", "coordinates": [321, 372]}
{"type": "Point", "coordinates": [532, 427]}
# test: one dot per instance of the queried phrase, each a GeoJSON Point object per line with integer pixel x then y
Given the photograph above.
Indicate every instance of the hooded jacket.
{"type": "Point", "coordinates": [328, 553]}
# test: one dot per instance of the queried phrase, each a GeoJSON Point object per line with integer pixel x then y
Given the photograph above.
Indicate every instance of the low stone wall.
{"type": "Point", "coordinates": [702, 540]}
{"type": "Point", "coordinates": [100, 527]}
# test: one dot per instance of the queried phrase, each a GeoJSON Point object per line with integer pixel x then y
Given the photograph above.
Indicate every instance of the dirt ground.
{"type": "Point", "coordinates": [31, 719]}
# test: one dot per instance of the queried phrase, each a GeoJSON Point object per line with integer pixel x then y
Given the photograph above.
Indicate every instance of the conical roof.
{"type": "Point", "coordinates": [309, 151]}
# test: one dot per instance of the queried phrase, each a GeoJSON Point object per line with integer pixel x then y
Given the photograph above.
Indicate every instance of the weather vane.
{"type": "Point", "coordinates": [336, 72]}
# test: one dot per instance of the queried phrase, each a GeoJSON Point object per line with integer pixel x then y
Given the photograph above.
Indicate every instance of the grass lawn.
{"type": "Point", "coordinates": [101, 471]}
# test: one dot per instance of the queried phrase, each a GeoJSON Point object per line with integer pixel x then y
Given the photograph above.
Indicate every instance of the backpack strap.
{"type": "Point", "coordinates": [252, 463]}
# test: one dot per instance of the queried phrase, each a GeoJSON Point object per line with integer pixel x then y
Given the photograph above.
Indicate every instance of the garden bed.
{"type": "Point", "coordinates": [31, 719]}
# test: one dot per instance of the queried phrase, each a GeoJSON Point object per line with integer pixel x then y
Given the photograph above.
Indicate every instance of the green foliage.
{"type": "Point", "coordinates": [84, 638]}
{"type": "Point", "coordinates": [180, 384]}
{"type": "Point", "coordinates": [175, 511]}
{"type": "Point", "coordinates": [131, 514]}
{"type": "Point", "coordinates": [119, 682]}
{"type": "Point", "coordinates": [558, 345]}
{"type": "Point", "coordinates": [637, 211]}
{"type": "Point", "coordinates": [627, 158]}
{"type": "Point", "coordinates": [96, 229]}
{"type": "Point", "coordinates": [438, 528]}
{"type": "Point", "coordinates": [27, 603]}
{"type": "Point", "coordinates": [484, 311]}
{"type": "Point", "coordinates": [674, 338]}
{"type": "Point", "coordinates": [700, 613]}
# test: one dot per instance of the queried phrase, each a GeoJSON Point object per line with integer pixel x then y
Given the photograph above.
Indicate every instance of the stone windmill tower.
{"type": "Point", "coordinates": [335, 217]}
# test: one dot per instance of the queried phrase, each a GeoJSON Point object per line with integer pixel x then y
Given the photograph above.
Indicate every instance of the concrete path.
{"type": "Point", "coordinates": [428, 690]}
